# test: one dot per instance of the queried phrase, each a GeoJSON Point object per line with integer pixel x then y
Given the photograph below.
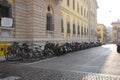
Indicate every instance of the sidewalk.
{"type": "Point", "coordinates": [2, 58]}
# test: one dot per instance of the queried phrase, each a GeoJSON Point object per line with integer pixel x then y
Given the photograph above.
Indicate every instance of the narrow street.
{"type": "Point", "coordinates": [99, 63]}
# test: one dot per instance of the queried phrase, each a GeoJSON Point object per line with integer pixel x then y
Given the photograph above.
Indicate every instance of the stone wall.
{"type": "Point", "coordinates": [20, 17]}
{"type": "Point", "coordinates": [30, 19]}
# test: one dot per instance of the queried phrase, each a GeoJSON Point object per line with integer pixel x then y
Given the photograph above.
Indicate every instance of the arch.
{"type": "Point", "coordinates": [50, 18]}
{"type": "Point", "coordinates": [50, 9]}
{"type": "Point", "coordinates": [68, 18]}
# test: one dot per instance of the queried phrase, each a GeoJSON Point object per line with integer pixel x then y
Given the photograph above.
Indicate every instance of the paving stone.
{"type": "Point", "coordinates": [14, 72]}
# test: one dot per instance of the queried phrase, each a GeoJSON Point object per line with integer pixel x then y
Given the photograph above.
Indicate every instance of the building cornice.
{"type": "Point", "coordinates": [115, 23]}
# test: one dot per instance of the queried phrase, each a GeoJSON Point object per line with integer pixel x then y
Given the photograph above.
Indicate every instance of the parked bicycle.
{"type": "Point", "coordinates": [25, 51]}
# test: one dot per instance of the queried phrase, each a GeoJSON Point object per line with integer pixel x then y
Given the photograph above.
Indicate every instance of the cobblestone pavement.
{"type": "Point", "coordinates": [19, 72]}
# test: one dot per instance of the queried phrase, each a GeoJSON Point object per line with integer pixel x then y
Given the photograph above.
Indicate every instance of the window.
{"type": "Point", "coordinates": [81, 10]}
{"type": "Point", "coordinates": [78, 30]}
{"type": "Point", "coordinates": [5, 10]}
{"type": "Point", "coordinates": [62, 28]}
{"type": "Point", "coordinates": [85, 31]}
{"type": "Point", "coordinates": [84, 13]}
{"type": "Point", "coordinates": [74, 4]}
{"type": "Point", "coordinates": [78, 7]}
{"type": "Point", "coordinates": [74, 30]}
{"type": "Point", "coordinates": [49, 18]}
{"type": "Point", "coordinates": [68, 27]}
{"type": "Point", "coordinates": [82, 30]}
{"type": "Point", "coordinates": [68, 2]}
{"type": "Point", "coordinates": [49, 22]}
{"type": "Point", "coordinates": [87, 14]}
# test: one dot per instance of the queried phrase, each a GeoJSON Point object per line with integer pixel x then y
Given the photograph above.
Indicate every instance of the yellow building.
{"type": "Point", "coordinates": [79, 19]}
{"type": "Point", "coordinates": [115, 25]}
{"type": "Point", "coordinates": [102, 33]}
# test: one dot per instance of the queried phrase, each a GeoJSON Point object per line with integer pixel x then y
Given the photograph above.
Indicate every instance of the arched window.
{"type": "Point", "coordinates": [49, 26]}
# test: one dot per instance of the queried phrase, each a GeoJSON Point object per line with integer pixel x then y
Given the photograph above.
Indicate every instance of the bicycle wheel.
{"type": "Point", "coordinates": [9, 56]}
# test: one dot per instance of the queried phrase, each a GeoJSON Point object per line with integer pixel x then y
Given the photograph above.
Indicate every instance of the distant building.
{"type": "Point", "coordinates": [115, 25]}
{"type": "Point", "coordinates": [102, 33]}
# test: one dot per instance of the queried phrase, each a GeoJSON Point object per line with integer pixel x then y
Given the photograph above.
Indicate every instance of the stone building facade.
{"type": "Point", "coordinates": [103, 35]}
{"type": "Point", "coordinates": [81, 14]}
{"type": "Point", "coordinates": [48, 20]}
{"type": "Point", "coordinates": [30, 20]}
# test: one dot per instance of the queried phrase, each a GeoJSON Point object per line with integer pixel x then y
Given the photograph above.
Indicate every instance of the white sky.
{"type": "Point", "coordinates": [108, 11]}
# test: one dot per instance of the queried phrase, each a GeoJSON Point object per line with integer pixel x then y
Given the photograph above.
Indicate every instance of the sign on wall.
{"type": "Point", "coordinates": [6, 22]}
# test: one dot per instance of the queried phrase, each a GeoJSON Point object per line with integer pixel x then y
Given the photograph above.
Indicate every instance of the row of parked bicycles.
{"type": "Point", "coordinates": [23, 52]}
